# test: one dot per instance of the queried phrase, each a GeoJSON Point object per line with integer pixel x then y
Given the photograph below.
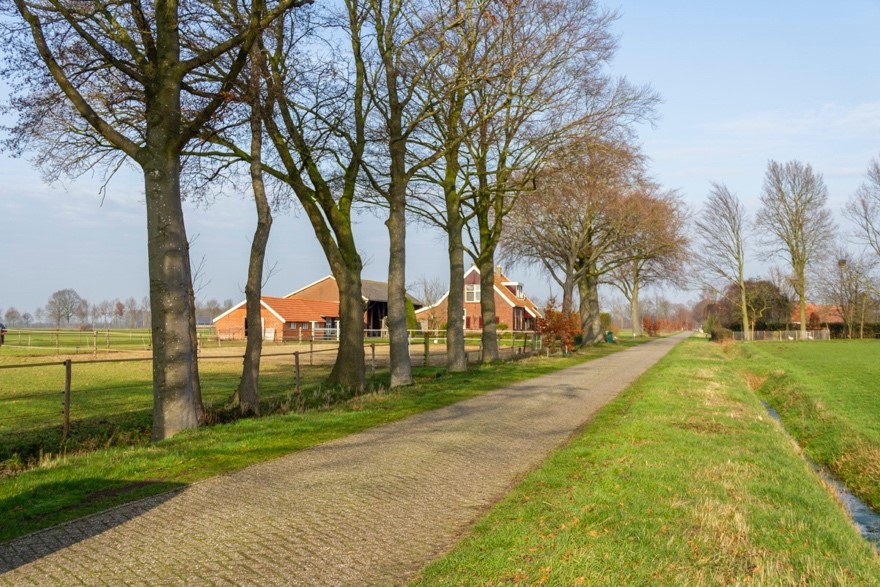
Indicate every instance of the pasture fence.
{"type": "Point", "coordinates": [31, 413]}
{"type": "Point", "coordinates": [783, 335]}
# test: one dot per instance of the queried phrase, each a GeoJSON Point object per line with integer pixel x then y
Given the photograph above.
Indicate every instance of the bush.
{"type": "Point", "coordinates": [560, 329]}
{"type": "Point", "coordinates": [720, 334]}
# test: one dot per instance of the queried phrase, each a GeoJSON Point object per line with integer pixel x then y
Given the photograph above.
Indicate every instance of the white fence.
{"type": "Point", "coordinates": [759, 335]}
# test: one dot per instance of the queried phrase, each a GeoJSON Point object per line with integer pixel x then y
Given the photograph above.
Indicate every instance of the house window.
{"type": "Point", "coordinates": [472, 293]}
{"type": "Point", "coordinates": [519, 291]}
{"type": "Point", "coordinates": [518, 319]}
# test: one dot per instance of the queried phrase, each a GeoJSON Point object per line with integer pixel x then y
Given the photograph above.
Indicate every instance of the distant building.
{"type": "Point", "coordinates": [512, 307]}
{"type": "Point", "coordinates": [300, 313]}
{"type": "Point", "coordinates": [817, 315]}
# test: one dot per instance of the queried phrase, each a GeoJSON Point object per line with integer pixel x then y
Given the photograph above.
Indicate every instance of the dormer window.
{"type": "Point", "coordinates": [515, 288]}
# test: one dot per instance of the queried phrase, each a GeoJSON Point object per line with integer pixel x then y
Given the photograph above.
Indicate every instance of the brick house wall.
{"type": "Point", "coordinates": [514, 317]}
{"type": "Point", "coordinates": [231, 326]}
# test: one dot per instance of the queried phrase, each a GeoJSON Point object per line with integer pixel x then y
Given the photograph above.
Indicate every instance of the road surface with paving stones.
{"type": "Point", "coordinates": [369, 509]}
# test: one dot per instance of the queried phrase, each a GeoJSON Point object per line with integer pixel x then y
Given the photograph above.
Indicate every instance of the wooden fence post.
{"type": "Point", "coordinates": [296, 362]}
{"type": "Point", "coordinates": [96, 344]}
{"type": "Point", "coordinates": [67, 376]}
{"type": "Point", "coordinates": [372, 359]}
{"type": "Point", "coordinates": [427, 349]}
{"type": "Point", "coordinates": [311, 346]}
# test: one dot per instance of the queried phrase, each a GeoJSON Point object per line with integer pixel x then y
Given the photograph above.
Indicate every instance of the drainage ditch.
{"type": "Point", "coordinates": [866, 520]}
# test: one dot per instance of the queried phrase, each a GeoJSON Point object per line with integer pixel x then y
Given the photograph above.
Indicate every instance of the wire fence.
{"type": "Point", "coordinates": [781, 335]}
{"type": "Point", "coordinates": [81, 401]}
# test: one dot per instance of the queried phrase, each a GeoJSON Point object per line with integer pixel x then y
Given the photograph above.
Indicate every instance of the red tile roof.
{"type": "Point", "coordinates": [296, 310]}
{"type": "Point", "coordinates": [523, 302]}
{"type": "Point", "coordinates": [826, 314]}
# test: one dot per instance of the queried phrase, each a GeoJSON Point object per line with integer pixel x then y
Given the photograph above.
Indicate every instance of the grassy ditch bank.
{"type": "Point", "coordinates": [682, 480]}
{"type": "Point", "coordinates": [65, 487]}
{"type": "Point", "coordinates": [828, 394]}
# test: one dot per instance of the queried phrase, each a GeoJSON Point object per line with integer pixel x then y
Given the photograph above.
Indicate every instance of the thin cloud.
{"type": "Point", "coordinates": [830, 121]}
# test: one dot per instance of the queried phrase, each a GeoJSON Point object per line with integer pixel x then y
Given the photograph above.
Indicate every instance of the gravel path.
{"type": "Point", "coordinates": [369, 509]}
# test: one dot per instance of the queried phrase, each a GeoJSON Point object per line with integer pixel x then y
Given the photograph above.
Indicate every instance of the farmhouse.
{"type": "Point", "coordinates": [282, 319]}
{"type": "Point", "coordinates": [512, 308]}
{"type": "Point", "coordinates": [313, 309]}
{"type": "Point", "coordinates": [817, 315]}
{"type": "Point", "coordinates": [374, 294]}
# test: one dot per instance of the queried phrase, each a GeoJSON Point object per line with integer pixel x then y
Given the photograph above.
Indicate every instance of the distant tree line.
{"type": "Point", "coordinates": [65, 308]}
{"type": "Point", "coordinates": [820, 263]}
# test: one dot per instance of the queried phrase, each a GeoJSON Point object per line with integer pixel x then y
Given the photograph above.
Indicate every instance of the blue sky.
{"type": "Point", "coordinates": [742, 83]}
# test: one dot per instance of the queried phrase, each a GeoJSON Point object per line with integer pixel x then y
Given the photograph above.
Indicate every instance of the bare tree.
{"type": "Point", "coordinates": [795, 221]}
{"type": "Point", "coordinates": [63, 305]}
{"type": "Point", "coordinates": [12, 316]}
{"type": "Point", "coordinates": [531, 102]}
{"type": "Point", "coordinates": [315, 118]}
{"type": "Point", "coordinates": [721, 253]}
{"type": "Point", "coordinates": [100, 82]}
{"type": "Point", "coordinates": [402, 37]}
{"type": "Point", "coordinates": [133, 310]}
{"type": "Point", "coordinates": [863, 208]}
{"type": "Point", "coordinates": [465, 55]}
{"type": "Point", "coordinates": [658, 245]}
{"type": "Point", "coordinates": [847, 282]}
{"type": "Point", "coordinates": [430, 291]}
{"type": "Point", "coordinates": [577, 221]}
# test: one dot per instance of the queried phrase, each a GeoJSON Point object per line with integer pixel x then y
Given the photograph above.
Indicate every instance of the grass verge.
{"type": "Point", "coordinates": [66, 487]}
{"type": "Point", "coordinates": [682, 480]}
{"type": "Point", "coordinates": [828, 394]}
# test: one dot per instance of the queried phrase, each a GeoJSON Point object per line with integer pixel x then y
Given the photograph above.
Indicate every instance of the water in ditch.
{"type": "Point", "coordinates": [866, 520]}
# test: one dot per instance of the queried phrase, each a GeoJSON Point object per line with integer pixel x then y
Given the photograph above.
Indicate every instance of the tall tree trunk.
{"type": "Point", "coordinates": [349, 368]}
{"type": "Point", "coordinates": [456, 359]}
{"type": "Point", "coordinates": [568, 295]}
{"type": "Point", "coordinates": [401, 367]}
{"type": "Point", "coordinates": [591, 323]}
{"type": "Point", "coordinates": [249, 388]}
{"type": "Point", "coordinates": [489, 336]}
{"type": "Point", "coordinates": [174, 342]}
{"type": "Point", "coordinates": [634, 307]}
{"type": "Point", "coordinates": [745, 312]}
{"type": "Point", "coordinates": [803, 307]}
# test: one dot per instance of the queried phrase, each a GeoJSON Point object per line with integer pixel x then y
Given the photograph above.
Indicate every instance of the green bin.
{"type": "Point", "coordinates": [609, 336]}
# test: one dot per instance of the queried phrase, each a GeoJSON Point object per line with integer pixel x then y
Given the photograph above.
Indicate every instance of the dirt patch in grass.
{"type": "Point", "coordinates": [755, 381]}
{"type": "Point", "coordinates": [702, 426]}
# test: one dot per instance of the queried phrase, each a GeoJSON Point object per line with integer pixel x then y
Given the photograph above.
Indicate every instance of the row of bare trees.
{"type": "Point", "coordinates": [444, 109]}
{"type": "Point", "coordinates": [65, 307]}
{"type": "Point", "coordinates": [595, 217]}
{"type": "Point", "coordinates": [794, 224]}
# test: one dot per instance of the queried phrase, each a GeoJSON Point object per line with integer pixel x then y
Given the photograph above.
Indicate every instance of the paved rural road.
{"type": "Point", "coordinates": [369, 509]}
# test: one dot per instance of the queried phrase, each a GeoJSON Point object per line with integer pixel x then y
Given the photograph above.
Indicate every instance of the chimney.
{"type": "Point", "coordinates": [498, 269]}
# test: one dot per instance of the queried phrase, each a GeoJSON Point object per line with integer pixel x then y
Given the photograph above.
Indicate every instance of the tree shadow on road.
{"type": "Point", "coordinates": [17, 514]}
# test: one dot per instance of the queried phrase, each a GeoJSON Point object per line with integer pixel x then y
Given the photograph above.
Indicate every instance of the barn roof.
{"type": "Point", "coordinates": [296, 310]}
{"type": "Point", "coordinates": [293, 310]}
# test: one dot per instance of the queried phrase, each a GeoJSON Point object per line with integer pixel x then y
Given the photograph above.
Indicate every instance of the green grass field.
{"type": "Point", "coordinates": [61, 487]}
{"type": "Point", "coordinates": [683, 480]}
{"type": "Point", "coordinates": [828, 394]}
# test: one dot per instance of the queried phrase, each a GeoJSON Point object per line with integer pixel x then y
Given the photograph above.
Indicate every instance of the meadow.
{"type": "Point", "coordinates": [828, 394]}
{"type": "Point", "coordinates": [683, 480]}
